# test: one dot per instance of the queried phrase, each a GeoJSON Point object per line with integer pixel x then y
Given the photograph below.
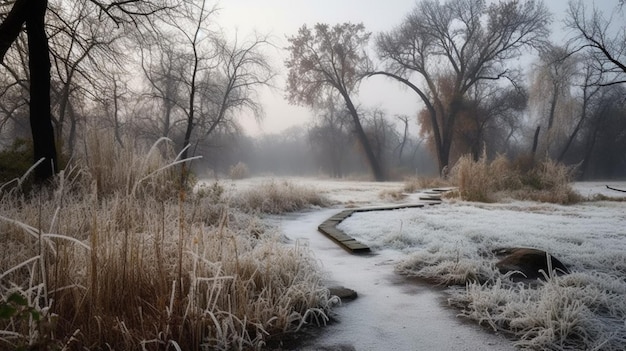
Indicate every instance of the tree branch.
{"type": "Point", "coordinates": [12, 26]}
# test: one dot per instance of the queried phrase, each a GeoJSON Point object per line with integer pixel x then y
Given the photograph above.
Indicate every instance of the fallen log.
{"type": "Point", "coordinates": [620, 190]}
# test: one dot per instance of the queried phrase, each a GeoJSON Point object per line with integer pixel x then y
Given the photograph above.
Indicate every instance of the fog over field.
{"type": "Point", "coordinates": [165, 165]}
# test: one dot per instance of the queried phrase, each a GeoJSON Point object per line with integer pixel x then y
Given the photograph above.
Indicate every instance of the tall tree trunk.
{"type": "Point", "coordinates": [71, 140]}
{"type": "Point", "coordinates": [535, 143]}
{"type": "Point", "coordinates": [369, 153]}
{"type": "Point", "coordinates": [33, 13]}
{"type": "Point", "coordinates": [572, 136]}
{"type": "Point", "coordinates": [442, 154]}
{"type": "Point", "coordinates": [448, 136]}
{"type": "Point", "coordinates": [12, 25]}
{"type": "Point", "coordinates": [587, 157]}
{"type": "Point", "coordinates": [116, 117]}
{"type": "Point", "coordinates": [39, 66]}
{"type": "Point", "coordinates": [405, 120]}
{"type": "Point", "coordinates": [553, 103]}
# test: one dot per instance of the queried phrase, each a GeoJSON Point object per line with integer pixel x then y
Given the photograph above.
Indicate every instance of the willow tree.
{"type": "Point", "coordinates": [331, 59]}
{"type": "Point", "coordinates": [464, 42]}
{"type": "Point", "coordinates": [551, 91]}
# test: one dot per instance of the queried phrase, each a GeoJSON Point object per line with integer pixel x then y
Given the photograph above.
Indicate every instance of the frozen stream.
{"type": "Point", "coordinates": [396, 313]}
{"type": "Point", "coordinates": [391, 312]}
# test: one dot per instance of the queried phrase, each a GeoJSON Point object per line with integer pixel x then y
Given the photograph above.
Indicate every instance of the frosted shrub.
{"type": "Point", "coordinates": [239, 171]}
{"type": "Point", "coordinates": [473, 178]}
{"type": "Point", "coordinates": [391, 195]}
{"type": "Point", "coordinates": [279, 197]}
{"type": "Point", "coordinates": [484, 181]}
{"type": "Point", "coordinates": [549, 182]}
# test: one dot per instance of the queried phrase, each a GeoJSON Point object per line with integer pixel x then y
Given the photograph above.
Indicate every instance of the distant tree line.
{"type": "Point", "coordinates": [459, 58]}
{"type": "Point", "coordinates": [145, 70]}
{"type": "Point", "coordinates": [141, 69]}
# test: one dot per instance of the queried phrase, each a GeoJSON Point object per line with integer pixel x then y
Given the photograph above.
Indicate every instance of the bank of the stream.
{"type": "Point", "coordinates": [391, 312]}
{"type": "Point", "coordinates": [394, 312]}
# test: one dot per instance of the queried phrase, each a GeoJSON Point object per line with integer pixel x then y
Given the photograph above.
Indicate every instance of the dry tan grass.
{"type": "Point", "coordinates": [485, 181]}
{"type": "Point", "coordinates": [392, 195]}
{"type": "Point", "coordinates": [239, 171]}
{"type": "Point", "coordinates": [113, 258]}
{"type": "Point", "coordinates": [413, 184]}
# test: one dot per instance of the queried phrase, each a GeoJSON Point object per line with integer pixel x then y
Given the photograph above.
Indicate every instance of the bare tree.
{"type": "Point", "coordinates": [81, 48]}
{"type": "Point", "coordinates": [327, 59]}
{"type": "Point", "coordinates": [381, 134]}
{"type": "Point", "coordinates": [465, 41]}
{"type": "Point", "coordinates": [605, 135]}
{"type": "Point", "coordinates": [491, 118]}
{"type": "Point", "coordinates": [32, 14]}
{"type": "Point", "coordinates": [241, 69]}
{"type": "Point", "coordinates": [201, 79]}
{"type": "Point", "coordinates": [114, 98]}
{"type": "Point", "coordinates": [603, 36]}
{"type": "Point", "coordinates": [590, 86]}
{"type": "Point", "coordinates": [198, 14]}
{"type": "Point", "coordinates": [164, 65]}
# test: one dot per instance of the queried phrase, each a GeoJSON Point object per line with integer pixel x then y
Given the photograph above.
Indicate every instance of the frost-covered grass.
{"type": "Point", "coordinates": [452, 244]}
{"type": "Point", "coordinates": [579, 311]}
{"type": "Point", "coordinates": [116, 256]}
{"type": "Point", "coordinates": [275, 197]}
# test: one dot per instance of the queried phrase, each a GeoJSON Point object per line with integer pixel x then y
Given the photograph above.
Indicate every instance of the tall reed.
{"type": "Point", "coordinates": [111, 257]}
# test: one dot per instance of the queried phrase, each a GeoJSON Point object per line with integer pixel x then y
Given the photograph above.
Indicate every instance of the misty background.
{"type": "Point", "coordinates": [221, 65]}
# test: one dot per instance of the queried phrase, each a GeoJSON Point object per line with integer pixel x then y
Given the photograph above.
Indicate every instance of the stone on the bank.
{"type": "Point", "coordinates": [344, 294]}
{"type": "Point", "coordinates": [527, 263]}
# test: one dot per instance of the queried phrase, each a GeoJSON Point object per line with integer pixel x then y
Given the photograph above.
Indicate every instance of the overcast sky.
{"type": "Point", "coordinates": [283, 18]}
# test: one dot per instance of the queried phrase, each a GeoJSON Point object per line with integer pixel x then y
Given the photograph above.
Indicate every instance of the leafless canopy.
{"type": "Point", "coordinates": [464, 41]}
{"type": "Point", "coordinates": [604, 36]}
{"type": "Point", "coordinates": [331, 59]}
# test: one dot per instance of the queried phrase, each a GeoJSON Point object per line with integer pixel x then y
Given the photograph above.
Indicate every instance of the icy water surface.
{"type": "Point", "coordinates": [391, 312]}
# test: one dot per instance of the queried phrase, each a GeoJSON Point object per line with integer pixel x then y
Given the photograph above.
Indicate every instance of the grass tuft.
{"type": "Point", "coordinates": [239, 171]}
{"type": "Point", "coordinates": [414, 184]}
{"type": "Point", "coordinates": [571, 312]}
{"type": "Point", "coordinates": [276, 197]}
{"type": "Point", "coordinates": [484, 181]}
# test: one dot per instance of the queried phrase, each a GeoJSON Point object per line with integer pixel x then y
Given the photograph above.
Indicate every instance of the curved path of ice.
{"type": "Point", "coordinates": [391, 312]}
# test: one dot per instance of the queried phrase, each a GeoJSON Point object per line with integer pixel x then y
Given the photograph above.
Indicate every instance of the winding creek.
{"type": "Point", "coordinates": [391, 312]}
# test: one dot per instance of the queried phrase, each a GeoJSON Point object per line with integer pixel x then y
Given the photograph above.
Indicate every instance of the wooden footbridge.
{"type": "Point", "coordinates": [329, 226]}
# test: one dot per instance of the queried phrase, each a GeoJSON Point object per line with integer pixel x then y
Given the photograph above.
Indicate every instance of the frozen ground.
{"type": "Point", "coordinates": [394, 312]}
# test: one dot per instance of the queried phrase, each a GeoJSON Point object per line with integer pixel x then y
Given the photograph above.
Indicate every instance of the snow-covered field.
{"type": "Point", "coordinates": [584, 310]}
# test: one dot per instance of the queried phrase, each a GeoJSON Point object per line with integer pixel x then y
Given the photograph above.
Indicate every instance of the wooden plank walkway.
{"type": "Point", "coordinates": [329, 226]}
